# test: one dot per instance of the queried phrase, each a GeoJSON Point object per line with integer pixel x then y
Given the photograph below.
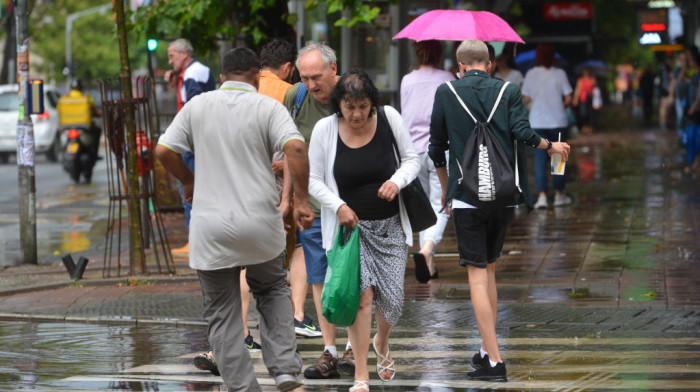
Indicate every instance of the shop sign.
{"type": "Point", "coordinates": [568, 11]}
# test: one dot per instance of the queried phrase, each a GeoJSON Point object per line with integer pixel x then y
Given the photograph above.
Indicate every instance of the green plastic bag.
{"type": "Point", "coordinates": [341, 290]}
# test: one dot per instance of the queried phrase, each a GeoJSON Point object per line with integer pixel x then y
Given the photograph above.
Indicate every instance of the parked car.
{"type": "Point", "coordinates": [46, 135]}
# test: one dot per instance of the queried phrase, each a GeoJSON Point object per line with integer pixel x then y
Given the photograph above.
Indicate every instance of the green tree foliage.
{"type": "Point", "coordinates": [616, 32]}
{"type": "Point", "coordinates": [207, 22]}
{"type": "Point", "coordinates": [94, 46]}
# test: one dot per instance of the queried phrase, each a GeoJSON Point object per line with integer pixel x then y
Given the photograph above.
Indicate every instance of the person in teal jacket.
{"type": "Point", "coordinates": [480, 233]}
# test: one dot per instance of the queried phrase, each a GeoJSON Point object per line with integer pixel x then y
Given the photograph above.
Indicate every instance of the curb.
{"type": "Point", "coordinates": [123, 320]}
{"type": "Point", "coordinates": [98, 282]}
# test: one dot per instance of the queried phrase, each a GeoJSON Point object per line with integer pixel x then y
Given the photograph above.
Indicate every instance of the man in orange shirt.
{"type": "Point", "coordinates": [277, 59]}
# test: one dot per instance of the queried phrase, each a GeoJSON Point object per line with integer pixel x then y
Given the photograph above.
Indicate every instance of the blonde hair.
{"type": "Point", "coordinates": [472, 52]}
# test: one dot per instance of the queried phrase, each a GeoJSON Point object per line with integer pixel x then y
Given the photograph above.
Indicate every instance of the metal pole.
{"type": "Point", "coordinates": [25, 144]}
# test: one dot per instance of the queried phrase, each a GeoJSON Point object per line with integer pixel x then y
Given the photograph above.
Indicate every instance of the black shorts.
{"type": "Point", "coordinates": [480, 235]}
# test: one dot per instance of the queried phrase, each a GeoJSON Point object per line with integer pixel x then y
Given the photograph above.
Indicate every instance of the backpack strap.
{"type": "Point", "coordinates": [298, 100]}
{"type": "Point", "coordinates": [498, 101]}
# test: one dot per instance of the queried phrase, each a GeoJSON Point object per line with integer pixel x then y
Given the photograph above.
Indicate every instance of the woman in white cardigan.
{"type": "Point", "coordinates": [353, 174]}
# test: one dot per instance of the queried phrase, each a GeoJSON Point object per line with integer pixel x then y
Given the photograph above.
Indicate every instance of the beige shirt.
{"type": "Point", "coordinates": [233, 132]}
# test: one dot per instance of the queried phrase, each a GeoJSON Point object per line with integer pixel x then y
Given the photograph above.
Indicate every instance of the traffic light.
{"type": "Point", "coordinates": [152, 44]}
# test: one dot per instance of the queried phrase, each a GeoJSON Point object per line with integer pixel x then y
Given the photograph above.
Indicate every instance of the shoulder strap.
{"type": "Point", "coordinates": [498, 101]}
{"type": "Point", "coordinates": [298, 100]}
{"type": "Point", "coordinates": [381, 116]}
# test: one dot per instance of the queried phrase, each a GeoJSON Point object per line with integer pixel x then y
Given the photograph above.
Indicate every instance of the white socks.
{"type": "Point", "coordinates": [348, 346]}
{"type": "Point", "coordinates": [332, 350]}
{"type": "Point", "coordinates": [483, 354]}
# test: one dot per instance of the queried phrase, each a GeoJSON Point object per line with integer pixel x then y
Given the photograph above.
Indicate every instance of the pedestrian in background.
{"type": "Point", "coordinates": [583, 100]}
{"type": "Point", "coordinates": [317, 67]}
{"type": "Point", "coordinates": [354, 175]}
{"type": "Point", "coordinates": [665, 98]}
{"type": "Point", "coordinates": [417, 96]}
{"type": "Point", "coordinates": [692, 130]}
{"type": "Point", "coordinates": [646, 92]}
{"type": "Point", "coordinates": [480, 233]}
{"type": "Point", "coordinates": [679, 90]}
{"type": "Point", "coordinates": [548, 88]}
{"type": "Point", "coordinates": [188, 78]}
{"type": "Point", "coordinates": [492, 59]}
{"type": "Point", "coordinates": [505, 67]}
{"type": "Point", "coordinates": [234, 131]}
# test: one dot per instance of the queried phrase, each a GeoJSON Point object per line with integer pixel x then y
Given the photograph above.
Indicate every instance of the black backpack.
{"type": "Point", "coordinates": [487, 177]}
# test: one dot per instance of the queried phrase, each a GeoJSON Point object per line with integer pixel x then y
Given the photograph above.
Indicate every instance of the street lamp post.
{"type": "Point", "coordinates": [69, 29]}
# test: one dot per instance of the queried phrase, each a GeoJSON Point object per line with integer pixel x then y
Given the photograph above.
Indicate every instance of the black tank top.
{"type": "Point", "coordinates": [360, 172]}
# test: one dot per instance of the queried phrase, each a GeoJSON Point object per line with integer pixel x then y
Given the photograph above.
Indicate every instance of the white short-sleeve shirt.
{"type": "Point", "coordinates": [547, 88]}
{"type": "Point", "coordinates": [234, 132]}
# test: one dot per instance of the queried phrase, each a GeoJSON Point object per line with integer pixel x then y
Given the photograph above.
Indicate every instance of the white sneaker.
{"type": "Point", "coordinates": [541, 202]}
{"type": "Point", "coordinates": [562, 200]}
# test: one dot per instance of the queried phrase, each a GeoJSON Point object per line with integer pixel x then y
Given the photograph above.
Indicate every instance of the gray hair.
{"type": "Point", "coordinates": [327, 54]}
{"type": "Point", "coordinates": [472, 51]}
{"type": "Point", "coordinates": [183, 45]}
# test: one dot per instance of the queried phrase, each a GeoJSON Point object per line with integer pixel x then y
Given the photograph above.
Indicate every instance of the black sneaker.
{"type": "Point", "coordinates": [325, 367]}
{"type": "Point", "coordinates": [488, 373]}
{"type": "Point", "coordinates": [251, 344]}
{"type": "Point", "coordinates": [478, 361]}
{"type": "Point", "coordinates": [306, 327]}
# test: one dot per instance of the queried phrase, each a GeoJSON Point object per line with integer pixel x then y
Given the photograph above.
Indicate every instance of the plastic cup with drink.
{"type": "Point", "coordinates": [558, 163]}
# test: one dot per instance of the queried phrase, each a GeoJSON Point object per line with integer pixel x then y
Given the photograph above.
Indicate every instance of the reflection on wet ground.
{"type": "Point", "coordinates": [70, 218]}
{"type": "Point", "coordinates": [56, 356]}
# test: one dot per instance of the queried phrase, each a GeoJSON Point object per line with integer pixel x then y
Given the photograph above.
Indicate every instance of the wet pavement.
{"type": "Point", "coordinates": [599, 295]}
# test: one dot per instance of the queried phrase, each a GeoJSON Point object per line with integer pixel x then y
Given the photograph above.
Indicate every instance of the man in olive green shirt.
{"type": "Point", "coordinates": [480, 233]}
{"type": "Point", "coordinates": [317, 67]}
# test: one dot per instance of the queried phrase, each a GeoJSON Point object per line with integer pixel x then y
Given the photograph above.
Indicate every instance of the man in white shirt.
{"type": "Point", "coordinates": [235, 221]}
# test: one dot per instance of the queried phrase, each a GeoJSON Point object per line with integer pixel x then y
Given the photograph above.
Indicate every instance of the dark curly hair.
{"type": "Point", "coordinates": [354, 85]}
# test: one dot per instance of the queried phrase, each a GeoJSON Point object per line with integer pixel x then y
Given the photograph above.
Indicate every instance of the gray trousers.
{"type": "Point", "coordinates": [222, 310]}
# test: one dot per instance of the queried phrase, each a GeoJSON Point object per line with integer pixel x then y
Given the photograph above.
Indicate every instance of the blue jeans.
{"type": "Point", "coordinates": [692, 145]}
{"type": "Point", "coordinates": [542, 160]}
{"type": "Point", "coordinates": [188, 157]}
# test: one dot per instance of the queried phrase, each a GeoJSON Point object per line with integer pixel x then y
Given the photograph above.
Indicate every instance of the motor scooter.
{"type": "Point", "coordinates": [77, 154]}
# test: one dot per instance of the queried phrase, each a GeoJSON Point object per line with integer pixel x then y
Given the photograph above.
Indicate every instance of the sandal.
{"type": "Point", "coordinates": [360, 385]}
{"type": "Point", "coordinates": [381, 360]}
{"type": "Point", "coordinates": [206, 361]}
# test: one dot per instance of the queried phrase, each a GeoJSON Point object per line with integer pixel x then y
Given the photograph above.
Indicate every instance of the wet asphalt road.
{"type": "Point", "coordinates": [601, 295]}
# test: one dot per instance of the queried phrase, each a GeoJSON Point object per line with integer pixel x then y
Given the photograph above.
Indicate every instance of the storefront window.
{"type": "Point", "coordinates": [370, 47]}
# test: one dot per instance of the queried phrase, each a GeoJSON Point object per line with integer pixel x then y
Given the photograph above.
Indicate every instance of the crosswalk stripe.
{"type": "Point", "coordinates": [544, 364]}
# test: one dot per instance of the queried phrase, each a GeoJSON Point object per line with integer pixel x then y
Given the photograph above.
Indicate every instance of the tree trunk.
{"type": "Point", "coordinates": [137, 262]}
{"type": "Point", "coordinates": [8, 73]}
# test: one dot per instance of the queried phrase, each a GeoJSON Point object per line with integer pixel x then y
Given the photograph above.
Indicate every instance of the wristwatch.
{"type": "Point", "coordinates": [549, 144]}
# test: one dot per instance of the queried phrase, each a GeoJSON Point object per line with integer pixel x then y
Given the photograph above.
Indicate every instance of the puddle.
{"type": "Point", "coordinates": [55, 237]}
{"type": "Point", "coordinates": [42, 355]}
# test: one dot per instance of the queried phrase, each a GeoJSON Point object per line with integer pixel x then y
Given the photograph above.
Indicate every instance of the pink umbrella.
{"type": "Point", "coordinates": [458, 25]}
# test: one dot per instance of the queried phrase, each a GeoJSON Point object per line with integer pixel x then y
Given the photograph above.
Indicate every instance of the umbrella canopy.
{"type": "Point", "coordinates": [526, 60]}
{"type": "Point", "coordinates": [458, 25]}
{"type": "Point", "coordinates": [597, 67]}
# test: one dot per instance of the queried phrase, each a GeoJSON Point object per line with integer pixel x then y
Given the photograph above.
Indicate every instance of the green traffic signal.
{"type": "Point", "coordinates": [152, 44]}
